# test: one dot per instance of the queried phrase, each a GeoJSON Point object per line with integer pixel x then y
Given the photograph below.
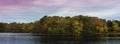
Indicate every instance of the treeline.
{"type": "Point", "coordinates": [63, 25]}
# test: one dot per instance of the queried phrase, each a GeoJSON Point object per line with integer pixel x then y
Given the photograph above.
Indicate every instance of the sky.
{"type": "Point", "coordinates": [31, 10]}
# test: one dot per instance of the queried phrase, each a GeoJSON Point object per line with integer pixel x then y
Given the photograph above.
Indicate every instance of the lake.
{"type": "Point", "coordinates": [28, 38]}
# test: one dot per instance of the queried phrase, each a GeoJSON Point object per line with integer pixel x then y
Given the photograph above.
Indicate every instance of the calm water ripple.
{"type": "Point", "coordinates": [27, 38]}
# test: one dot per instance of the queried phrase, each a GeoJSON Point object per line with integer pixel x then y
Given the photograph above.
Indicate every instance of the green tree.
{"type": "Point", "coordinates": [115, 27]}
{"type": "Point", "coordinates": [2, 27]}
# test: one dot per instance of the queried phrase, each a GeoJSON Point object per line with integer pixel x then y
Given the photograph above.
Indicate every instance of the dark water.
{"type": "Point", "coordinates": [27, 38]}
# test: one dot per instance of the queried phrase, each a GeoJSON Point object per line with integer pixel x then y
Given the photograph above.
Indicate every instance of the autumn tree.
{"type": "Point", "coordinates": [115, 27]}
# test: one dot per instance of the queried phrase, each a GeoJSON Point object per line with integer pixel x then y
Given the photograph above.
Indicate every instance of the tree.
{"type": "Point", "coordinates": [77, 25]}
{"type": "Point", "coordinates": [110, 25]}
{"type": "Point", "coordinates": [2, 27]}
{"type": "Point", "coordinates": [115, 27]}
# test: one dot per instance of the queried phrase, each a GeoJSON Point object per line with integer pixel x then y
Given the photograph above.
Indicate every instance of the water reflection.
{"type": "Point", "coordinates": [38, 39]}
{"type": "Point", "coordinates": [57, 40]}
{"type": "Point", "coordinates": [7, 38]}
{"type": "Point", "coordinates": [66, 40]}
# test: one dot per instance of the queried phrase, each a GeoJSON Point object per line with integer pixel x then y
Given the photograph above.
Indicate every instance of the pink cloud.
{"type": "Point", "coordinates": [56, 2]}
{"type": "Point", "coordinates": [14, 2]}
{"type": "Point", "coordinates": [19, 5]}
{"type": "Point", "coordinates": [56, 7]}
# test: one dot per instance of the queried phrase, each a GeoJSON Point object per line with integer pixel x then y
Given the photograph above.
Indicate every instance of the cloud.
{"type": "Point", "coordinates": [24, 5]}
{"type": "Point", "coordinates": [99, 8]}
{"type": "Point", "coordinates": [27, 8]}
{"type": "Point", "coordinates": [105, 12]}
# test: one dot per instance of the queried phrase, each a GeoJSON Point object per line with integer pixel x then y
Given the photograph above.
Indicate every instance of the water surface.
{"type": "Point", "coordinates": [28, 38]}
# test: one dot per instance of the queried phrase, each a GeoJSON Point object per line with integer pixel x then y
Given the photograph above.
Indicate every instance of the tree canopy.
{"type": "Point", "coordinates": [63, 25]}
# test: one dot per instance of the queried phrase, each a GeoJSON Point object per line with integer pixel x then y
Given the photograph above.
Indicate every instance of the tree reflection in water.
{"type": "Point", "coordinates": [56, 39]}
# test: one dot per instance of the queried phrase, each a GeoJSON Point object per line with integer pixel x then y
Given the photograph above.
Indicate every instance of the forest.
{"type": "Point", "coordinates": [63, 25]}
